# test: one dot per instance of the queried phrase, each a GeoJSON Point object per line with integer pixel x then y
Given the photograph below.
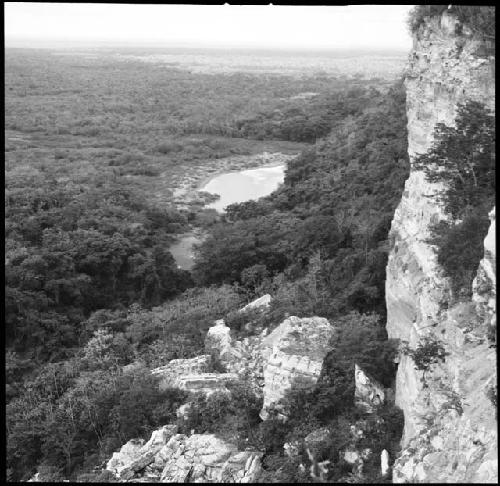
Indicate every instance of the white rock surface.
{"type": "Point", "coordinates": [485, 284]}
{"type": "Point", "coordinates": [206, 458]}
{"type": "Point", "coordinates": [135, 456]}
{"type": "Point", "coordinates": [293, 354]}
{"type": "Point", "coordinates": [384, 463]}
{"type": "Point", "coordinates": [218, 342]}
{"type": "Point", "coordinates": [261, 302]}
{"type": "Point", "coordinates": [171, 457]}
{"type": "Point", "coordinates": [368, 393]}
{"type": "Point", "coordinates": [177, 369]}
{"type": "Point", "coordinates": [206, 383]}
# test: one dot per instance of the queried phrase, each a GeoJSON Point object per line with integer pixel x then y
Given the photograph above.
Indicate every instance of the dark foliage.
{"type": "Point", "coordinates": [461, 248]}
{"type": "Point", "coordinates": [480, 19]}
{"type": "Point", "coordinates": [429, 351]}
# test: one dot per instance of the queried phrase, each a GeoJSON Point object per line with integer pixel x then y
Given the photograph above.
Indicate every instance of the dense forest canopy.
{"type": "Point", "coordinates": [94, 299]}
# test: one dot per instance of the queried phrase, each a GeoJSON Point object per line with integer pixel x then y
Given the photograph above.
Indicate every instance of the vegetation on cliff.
{"type": "Point", "coordinates": [480, 19]}
{"type": "Point", "coordinates": [462, 158]}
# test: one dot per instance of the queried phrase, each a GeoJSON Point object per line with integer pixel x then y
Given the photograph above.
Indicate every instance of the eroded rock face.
{"type": "Point", "coordinates": [192, 375]}
{"type": "Point", "coordinates": [242, 357]}
{"type": "Point", "coordinates": [450, 426]}
{"type": "Point", "coordinates": [369, 394]}
{"type": "Point", "coordinates": [176, 369]}
{"type": "Point", "coordinates": [135, 456]}
{"type": "Point", "coordinates": [484, 286]}
{"type": "Point", "coordinates": [171, 457]}
{"type": "Point", "coordinates": [219, 343]}
{"type": "Point", "coordinates": [206, 383]}
{"type": "Point", "coordinates": [261, 302]}
{"type": "Point", "coordinates": [293, 354]}
{"type": "Point", "coordinates": [206, 458]}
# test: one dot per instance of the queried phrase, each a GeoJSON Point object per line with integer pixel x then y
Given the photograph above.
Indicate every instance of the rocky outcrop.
{"type": "Point", "coordinates": [450, 426]}
{"type": "Point", "coordinates": [293, 355]}
{"type": "Point", "coordinates": [368, 394]}
{"type": "Point", "coordinates": [290, 355]}
{"type": "Point", "coordinates": [219, 343]}
{"type": "Point", "coordinates": [384, 463]}
{"type": "Point", "coordinates": [240, 357]}
{"type": "Point", "coordinates": [484, 286]}
{"type": "Point", "coordinates": [192, 375]}
{"type": "Point", "coordinates": [260, 303]}
{"type": "Point", "coordinates": [135, 456]}
{"type": "Point", "coordinates": [170, 457]}
{"type": "Point", "coordinates": [206, 458]}
{"type": "Point", "coordinates": [177, 369]}
{"type": "Point", "coordinates": [206, 383]}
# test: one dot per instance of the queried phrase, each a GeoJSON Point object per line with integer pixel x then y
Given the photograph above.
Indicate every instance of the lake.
{"type": "Point", "coordinates": [245, 185]}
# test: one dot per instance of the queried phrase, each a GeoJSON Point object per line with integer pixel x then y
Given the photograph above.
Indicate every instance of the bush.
{"type": "Point", "coordinates": [460, 249]}
{"type": "Point", "coordinates": [428, 352]}
{"type": "Point", "coordinates": [247, 322]}
{"type": "Point", "coordinates": [491, 393]}
{"type": "Point", "coordinates": [419, 13]}
{"type": "Point", "coordinates": [480, 19]}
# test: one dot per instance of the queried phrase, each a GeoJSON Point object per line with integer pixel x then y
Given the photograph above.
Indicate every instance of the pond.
{"type": "Point", "coordinates": [232, 187]}
{"type": "Point", "coordinates": [236, 187]}
{"type": "Point", "coordinates": [182, 250]}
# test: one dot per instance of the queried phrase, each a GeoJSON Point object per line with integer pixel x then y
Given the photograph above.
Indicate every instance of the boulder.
{"type": "Point", "coordinates": [135, 455]}
{"type": "Point", "coordinates": [218, 342]}
{"type": "Point", "coordinates": [241, 357]}
{"type": "Point", "coordinates": [261, 302]}
{"type": "Point", "coordinates": [384, 462]}
{"type": "Point", "coordinates": [293, 355]}
{"type": "Point", "coordinates": [206, 383]}
{"type": "Point", "coordinates": [368, 393]}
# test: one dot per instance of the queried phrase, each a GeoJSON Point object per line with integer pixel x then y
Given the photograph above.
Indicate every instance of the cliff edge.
{"type": "Point", "coordinates": [450, 422]}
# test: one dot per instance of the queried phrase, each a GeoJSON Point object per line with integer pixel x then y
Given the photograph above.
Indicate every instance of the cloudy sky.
{"type": "Point", "coordinates": [358, 26]}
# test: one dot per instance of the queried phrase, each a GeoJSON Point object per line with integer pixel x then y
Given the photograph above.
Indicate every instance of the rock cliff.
{"type": "Point", "coordinates": [450, 425]}
{"type": "Point", "coordinates": [293, 355]}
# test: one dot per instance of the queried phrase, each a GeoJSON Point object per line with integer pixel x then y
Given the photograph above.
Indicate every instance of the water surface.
{"type": "Point", "coordinates": [236, 187]}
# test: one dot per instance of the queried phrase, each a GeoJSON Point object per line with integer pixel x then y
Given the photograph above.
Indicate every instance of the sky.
{"type": "Point", "coordinates": [255, 26]}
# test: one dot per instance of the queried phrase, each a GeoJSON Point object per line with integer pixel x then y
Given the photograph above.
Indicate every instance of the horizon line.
{"type": "Point", "coordinates": [30, 43]}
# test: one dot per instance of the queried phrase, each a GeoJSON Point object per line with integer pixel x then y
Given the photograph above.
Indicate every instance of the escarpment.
{"type": "Point", "coordinates": [450, 425]}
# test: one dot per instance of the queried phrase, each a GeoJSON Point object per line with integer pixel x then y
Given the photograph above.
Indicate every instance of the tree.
{"type": "Point", "coordinates": [462, 159]}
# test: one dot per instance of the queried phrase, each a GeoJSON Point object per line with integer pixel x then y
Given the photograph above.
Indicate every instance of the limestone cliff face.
{"type": "Point", "coordinates": [450, 427]}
